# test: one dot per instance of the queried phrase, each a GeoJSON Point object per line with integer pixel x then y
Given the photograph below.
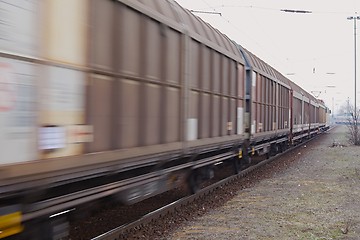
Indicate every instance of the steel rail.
{"type": "Point", "coordinates": [118, 232]}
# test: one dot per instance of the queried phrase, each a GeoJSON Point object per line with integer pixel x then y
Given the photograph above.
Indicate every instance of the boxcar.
{"type": "Point", "coordinates": [270, 105]}
{"type": "Point", "coordinates": [139, 92]}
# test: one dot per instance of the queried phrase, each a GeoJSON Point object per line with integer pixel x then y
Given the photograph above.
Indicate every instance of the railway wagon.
{"type": "Point", "coordinates": [306, 114]}
{"type": "Point", "coordinates": [110, 98]}
{"type": "Point", "coordinates": [270, 106]}
{"type": "Point", "coordinates": [300, 112]}
{"type": "Point", "coordinates": [324, 116]}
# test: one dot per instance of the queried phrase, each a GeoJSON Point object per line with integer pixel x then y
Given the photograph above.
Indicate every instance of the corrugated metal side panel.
{"type": "Point", "coordinates": [216, 117]}
{"type": "Point", "coordinates": [102, 34]}
{"type": "Point", "coordinates": [225, 83]}
{"type": "Point", "coordinates": [274, 106]}
{"type": "Point", "coordinates": [297, 111]}
{"type": "Point", "coordinates": [306, 113]}
{"type": "Point", "coordinates": [195, 64]}
{"type": "Point", "coordinates": [100, 112]}
{"type": "Point", "coordinates": [129, 103]}
{"type": "Point", "coordinates": [172, 95]}
{"type": "Point", "coordinates": [240, 81]}
{"type": "Point", "coordinates": [130, 48]}
{"type": "Point", "coordinates": [225, 118]}
{"type": "Point", "coordinates": [153, 49]}
{"type": "Point", "coordinates": [153, 115]}
{"type": "Point", "coordinates": [322, 115]}
{"type": "Point", "coordinates": [216, 69]}
{"type": "Point", "coordinates": [206, 68]}
{"type": "Point", "coordinates": [173, 56]}
{"type": "Point", "coordinates": [18, 116]}
{"type": "Point", "coordinates": [19, 27]}
{"type": "Point", "coordinates": [204, 123]}
{"type": "Point", "coordinates": [283, 115]}
{"type": "Point", "coordinates": [66, 31]}
{"type": "Point", "coordinates": [172, 115]}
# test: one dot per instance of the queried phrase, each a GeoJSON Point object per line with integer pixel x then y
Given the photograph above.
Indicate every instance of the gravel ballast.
{"type": "Point", "coordinates": [313, 194]}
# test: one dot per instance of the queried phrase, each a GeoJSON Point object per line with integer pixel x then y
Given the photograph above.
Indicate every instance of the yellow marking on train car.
{"type": "Point", "coordinates": [10, 224]}
{"type": "Point", "coordinates": [253, 151]}
{"type": "Point", "coordinates": [240, 153]}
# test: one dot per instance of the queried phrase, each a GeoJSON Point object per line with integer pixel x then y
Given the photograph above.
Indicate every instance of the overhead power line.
{"type": "Point", "coordinates": [205, 12]}
{"type": "Point", "coordinates": [295, 11]}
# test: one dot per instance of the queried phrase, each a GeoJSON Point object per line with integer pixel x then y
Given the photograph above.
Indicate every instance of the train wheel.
{"type": "Point", "coordinates": [194, 181]}
{"type": "Point", "coordinates": [39, 229]}
{"type": "Point", "coordinates": [46, 228]}
{"type": "Point", "coordinates": [281, 148]}
{"type": "Point", "coordinates": [274, 149]}
{"type": "Point", "coordinates": [237, 165]}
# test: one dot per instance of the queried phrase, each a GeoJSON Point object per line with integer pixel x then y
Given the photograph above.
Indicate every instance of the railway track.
{"type": "Point", "coordinates": [128, 230]}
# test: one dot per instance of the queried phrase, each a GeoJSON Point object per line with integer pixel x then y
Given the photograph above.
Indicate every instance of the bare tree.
{"type": "Point", "coordinates": [353, 126]}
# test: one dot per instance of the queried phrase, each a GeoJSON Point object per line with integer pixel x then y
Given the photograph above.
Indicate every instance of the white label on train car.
{"type": "Point", "coordinates": [192, 129]}
{"type": "Point", "coordinates": [18, 26]}
{"type": "Point", "coordinates": [240, 120]}
{"type": "Point", "coordinates": [253, 127]}
{"type": "Point", "coordinates": [52, 137]}
{"type": "Point", "coordinates": [254, 79]}
{"type": "Point", "coordinates": [17, 111]}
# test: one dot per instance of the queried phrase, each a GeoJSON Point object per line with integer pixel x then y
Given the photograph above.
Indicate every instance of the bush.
{"type": "Point", "coordinates": [354, 131]}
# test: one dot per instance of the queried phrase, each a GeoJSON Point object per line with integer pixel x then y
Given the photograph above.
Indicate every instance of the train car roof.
{"type": "Point", "coordinates": [260, 66]}
{"type": "Point", "coordinates": [321, 103]}
{"type": "Point", "coordinates": [173, 15]}
{"type": "Point", "coordinates": [263, 68]}
{"type": "Point", "coordinates": [207, 34]}
{"type": "Point", "coordinates": [300, 90]}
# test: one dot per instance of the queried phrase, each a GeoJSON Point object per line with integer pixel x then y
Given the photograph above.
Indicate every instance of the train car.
{"type": "Point", "coordinates": [300, 120]}
{"type": "Point", "coordinates": [323, 116]}
{"type": "Point", "coordinates": [308, 114]}
{"type": "Point", "coordinates": [270, 106]}
{"type": "Point", "coordinates": [314, 115]}
{"type": "Point", "coordinates": [111, 98]}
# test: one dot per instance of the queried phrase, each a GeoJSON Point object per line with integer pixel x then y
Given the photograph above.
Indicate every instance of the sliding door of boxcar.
{"type": "Point", "coordinates": [136, 99]}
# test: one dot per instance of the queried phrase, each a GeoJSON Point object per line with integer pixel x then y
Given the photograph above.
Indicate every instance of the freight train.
{"type": "Point", "coordinates": [127, 99]}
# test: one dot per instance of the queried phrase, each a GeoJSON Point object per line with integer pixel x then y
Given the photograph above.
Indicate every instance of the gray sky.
{"type": "Point", "coordinates": [317, 49]}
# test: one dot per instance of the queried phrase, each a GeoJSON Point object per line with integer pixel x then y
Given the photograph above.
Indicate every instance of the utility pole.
{"type": "Point", "coordinates": [355, 110]}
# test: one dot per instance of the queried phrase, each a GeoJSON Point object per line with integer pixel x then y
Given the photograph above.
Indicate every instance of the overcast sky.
{"type": "Point", "coordinates": [314, 50]}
